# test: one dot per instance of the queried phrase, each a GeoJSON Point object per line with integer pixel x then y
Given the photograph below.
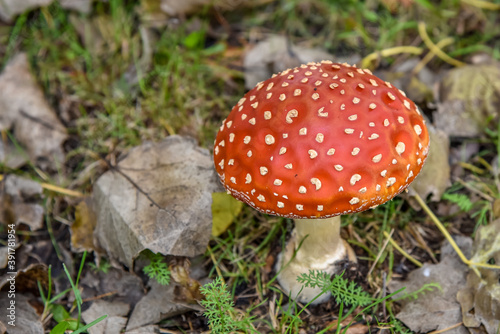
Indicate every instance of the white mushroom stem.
{"type": "Point", "coordinates": [322, 249]}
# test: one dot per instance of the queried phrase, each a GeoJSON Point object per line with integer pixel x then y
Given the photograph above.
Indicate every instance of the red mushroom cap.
{"type": "Point", "coordinates": [320, 140]}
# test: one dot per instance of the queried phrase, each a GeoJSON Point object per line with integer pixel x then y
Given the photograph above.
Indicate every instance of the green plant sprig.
{"type": "Point", "coordinates": [157, 269]}
{"type": "Point", "coordinates": [341, 289]}
{"type": "Point", "coordinates": [220, 311]}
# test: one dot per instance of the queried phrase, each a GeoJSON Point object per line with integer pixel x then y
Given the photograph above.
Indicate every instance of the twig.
{"type": "Point", "coordinates": [60, 190]}
{"type": "Point", "coordinates": [475, 190]}
{"type": "Point", "coordinates": [219, 273]}
{"type": "Point", "coordinates": [447, 329]}
{"type": "Point", "coordinates": [434, 48]}
{"type": "Point", "coordinates": [428, 57]}
{"type": "Point", "coordinates": [365, 62]}
{"type": "Point", "coordinates": [482, 4]}
{"type": "Point", "coordinates": [107, 294]}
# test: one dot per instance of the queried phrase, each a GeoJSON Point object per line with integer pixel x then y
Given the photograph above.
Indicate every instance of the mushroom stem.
{"type": "Point", "coordinates": [322, 249]}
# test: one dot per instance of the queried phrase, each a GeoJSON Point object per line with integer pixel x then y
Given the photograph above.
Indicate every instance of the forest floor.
{"type": "Point", "coordinates": [95, 92]}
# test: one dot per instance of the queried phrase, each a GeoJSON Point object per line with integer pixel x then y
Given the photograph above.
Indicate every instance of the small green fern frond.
{"type": "Point", "coordinates": [463, 202]}
{"type": "Point", "coordinates": [157, 269]}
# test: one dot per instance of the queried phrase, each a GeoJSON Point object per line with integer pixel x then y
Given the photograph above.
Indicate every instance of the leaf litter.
{"type": "Point", "coordinates": [25, 112]}
{"type": "Point", "coordinates": [434, 178]}
{"type": "Point", "coordinates": [20, 202]}
{"type": "Point", "coordinates": [159, 198]}
{"type": "Point", "coordinates": [480, 297]}
{"type": "Point", "coordinates": [134, 178]}
{"type": "Point", "coordinates": [468, 100]}
{"type": "Point", "coordinates": [437, 309]}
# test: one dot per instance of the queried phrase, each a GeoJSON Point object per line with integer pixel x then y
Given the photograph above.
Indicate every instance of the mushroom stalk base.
{"type": "Point", "coordinates": [322, 249]}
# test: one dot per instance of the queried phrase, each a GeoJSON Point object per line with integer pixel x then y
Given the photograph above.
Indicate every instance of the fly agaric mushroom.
{"type": "Point", "coordinates": [315, 142]}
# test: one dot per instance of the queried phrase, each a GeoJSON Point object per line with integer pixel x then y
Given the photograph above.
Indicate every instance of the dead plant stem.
{"type": "Point", "coordinates": [452, 242]}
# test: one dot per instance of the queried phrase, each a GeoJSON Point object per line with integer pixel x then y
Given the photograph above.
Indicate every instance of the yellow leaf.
{"type": "Point", "coordinates": [82, 230]}
{"type": "Point", "coordinates": [224, 209]}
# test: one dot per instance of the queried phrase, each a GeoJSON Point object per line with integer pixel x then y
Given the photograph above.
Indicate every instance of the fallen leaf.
{"type": "Point", "coordinates": [119, 284]}
{"type": "Point", "coordinates": [19, 198]}
{"type": "Point", "coordinates": [276, 54]}
{"type": "Point", "coordinates": [162, 302]}
{"type": "Point", "coordinates": [182, 8]}
{"type": "Point", "coordinates": [225, 208]}
{"type": "Point", "coordinates": [153, 329]}
{"type": "Point", "coordinates": [26, 279]}
{"type": "Point", "coordinates": [114, 323]}
{"type": "Point", "coordinates": [438, 309]}
{"type": "Point", "coordinates": [480, 299]}
{"type": "Point", "coordinates": [468, 100]}
{"type": "Point", "coordinates": [188, 288]}
{"type": "Point", "coordinates": [167, 208]}
{"type": "Point", "coordinates": [151, 14]}
{"type": "Point", "coordinates": [4, 256]}
{"type": "Point", "coordinates": [82, 229]}
{"type": "Point", "coordinates": [11, 156]}
{"type": "Point", "coordinates": [9, 9]}
{"type": "Point", "coordinates": [81, 6]}
{"type": "Point", "coordinates": [25, 320]}
{"type": "Point", "coordinates": [25, 112]}
{"type": "Point", "coordinates": [357, 329]}
{"type": "Point", "coordinates": [418, 86]}
{"type": "Point", "coordinates": [434, 177]}
{"type": "Point", "coordinates": [157, 305]}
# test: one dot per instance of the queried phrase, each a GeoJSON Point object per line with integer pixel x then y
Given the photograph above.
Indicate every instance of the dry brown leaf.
{"type": "Point", "coordinates": [276, 54]}
{"type": "Point", "coordinates": [114, 323]}
{"type": "Point", "coordinates": [188, 288]}
{"type": "Point", "coordinates": [418, 86]}
{"type": "Point", "coordinates": [480, 299]}
{"type": "Point", "coordinates": [19, 198]}
{"type": "Point", "coordinates": [11, 156]}
{"type": "Point", "coordinates": [24, 316]}
{"type": "Point", "coordinates": [184, 7]}
{"type": "Point", "coordinates": [436, 309]}
{"type": "Point", "coordinates": [25, 112]}
{"type": "Point", "coordinates": [116, 283]}
{"type": "Point", "coordinates": [157, 305]}
{"type": "Point", "coordinates": [9, 9]}
{"type": "Point", "coordinates": [166, 210]}
{"type": "Point", "coordinates": [81, 6]}
{"type": "Point", "coordinates": [469, 100]}
{"type": "Point", "coordinates": [26, 279]}
{"type": "Point", "coordinates": [435, 175]}
{"type": "Point", "coordinates": [357, 329]}
{"type": "Point", "coordinates": [153, 329]}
